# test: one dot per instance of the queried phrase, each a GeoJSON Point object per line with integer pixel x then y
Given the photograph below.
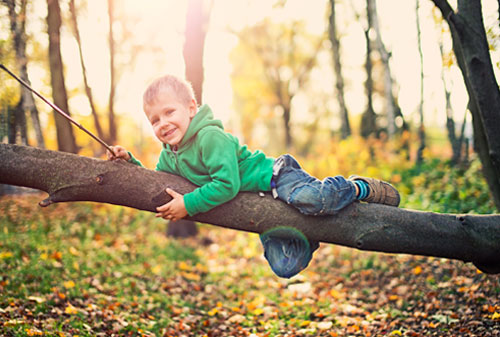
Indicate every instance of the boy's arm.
{"type": "Point", "coordinates": [134, 160]}
{"type": "Point", "coordinates": [220, 158]}
{"type": "Point", "coordinates": [119, 152]}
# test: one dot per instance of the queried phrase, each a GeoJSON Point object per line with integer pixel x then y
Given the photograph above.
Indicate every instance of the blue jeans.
{"type": "Point", "coordinates": [286, 249]}
{"type": "Point", "coordinates": [308, 194]}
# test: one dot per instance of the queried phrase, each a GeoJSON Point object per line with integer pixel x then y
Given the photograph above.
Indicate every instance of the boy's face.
{"type": "Point", "coordinates": [170, 117]}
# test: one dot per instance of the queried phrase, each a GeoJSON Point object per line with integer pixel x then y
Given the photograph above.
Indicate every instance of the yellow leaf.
{"type": "Point", "coordinates": [393, 297]}
{"type": "Point", "coordinates": [70, 310]}
{"type": "Point", "coordinates": [69, 284]}
{"type": "Point", "coordinates": [5, 255]}
{"type": "Point", "coordinates": [334, 293]}
{"type": "Point", "coordinates": [184, 266]}
{"type": "Point", "coordinates": [73, 251]}
{"type": "Point", "coordinates": [433, 325]}
{"type": "Point", "coordinates": [396, 332]}
{"type": "Point", "coordinates": [305, 323]}
{"type": "Point", "coordinates": [213, 312]}
{"type": "Point", "coordinates": [156, 269]}
{"type": "Point", "coordinates": [191, 276]}
{"type": "Point", "coordinates": [34, 332]}
{"type": "Point", "coordinates": [44, 256]}
{"type": "Point", "coordinates": [417, 270]}
{"type": "Point", "coordinates": [258, 312]}
{"type": "Point", "coordinates": [495, 316]}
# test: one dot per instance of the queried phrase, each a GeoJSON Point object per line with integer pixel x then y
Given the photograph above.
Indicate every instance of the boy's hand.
{"type": "Point", "coordinates": [174, 209]}
{"type": "Point", "coordinates": [120, 153]}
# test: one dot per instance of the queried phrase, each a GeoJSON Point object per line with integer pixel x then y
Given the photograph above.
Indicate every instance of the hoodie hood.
{"type": "Point", "coordinates": [203, 118]}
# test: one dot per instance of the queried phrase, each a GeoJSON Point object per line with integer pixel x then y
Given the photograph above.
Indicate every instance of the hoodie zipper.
{"type": "Point", "coordinates": [176, 160]}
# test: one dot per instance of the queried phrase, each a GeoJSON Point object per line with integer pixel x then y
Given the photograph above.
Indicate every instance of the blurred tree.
{"type": "Point", "coordinates": [112, 70]}
{"type": "Point", "coordinates": [267, 76]}
{"type": "Point", "coordinates": [345, 129]}
{"type": "Point", "coordinates": [196, 28]}
{"type": "Point", "coordinates": [369, 117]}
{"type": "Point", "coordinates": [17, 17]}
{"type": "Point", "coordinates": [391, 109]}
{"type": "Point", "coordinates": [459, 149]}
{"type": "Point", "coordinates": [88, 90]}
{"type": "Point", "coordinates": [471, 49]}
{"type": "Point", "coordinates": [65, 137]}
{"type": "Point", "coordinates": [421, 127]}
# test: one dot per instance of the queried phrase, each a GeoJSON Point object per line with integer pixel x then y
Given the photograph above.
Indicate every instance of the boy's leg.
{"type": "Point", "coordinates": [310, 195]}
{"type": "Point", "coordinates": [379, 191]}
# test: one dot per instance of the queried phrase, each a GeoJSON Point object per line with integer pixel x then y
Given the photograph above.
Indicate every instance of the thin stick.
{"type": "Point", "coordinates": [59, 110]}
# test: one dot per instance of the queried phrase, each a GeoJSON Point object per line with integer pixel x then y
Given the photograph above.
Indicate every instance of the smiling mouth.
{"type": "Point", "coordinates": [169, 132]}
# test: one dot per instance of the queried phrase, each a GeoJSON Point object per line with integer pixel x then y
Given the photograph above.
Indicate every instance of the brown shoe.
{"type": "Point", "coordinates": [381, 192]}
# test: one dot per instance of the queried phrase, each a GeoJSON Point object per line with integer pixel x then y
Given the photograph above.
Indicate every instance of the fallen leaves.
{"type": "Point", "coordinates": [112, 272]}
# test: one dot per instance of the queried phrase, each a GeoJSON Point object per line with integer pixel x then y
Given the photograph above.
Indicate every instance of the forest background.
{"type": "Point", "coordinates": [364, 87]}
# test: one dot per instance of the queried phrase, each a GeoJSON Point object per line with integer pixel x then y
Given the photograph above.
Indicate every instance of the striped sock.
{"type": "Point", "coordinates": [363, 189]}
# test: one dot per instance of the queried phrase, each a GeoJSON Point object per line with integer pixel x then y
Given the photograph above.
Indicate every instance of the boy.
{"type": "Point", "coordinates": [196, 147]}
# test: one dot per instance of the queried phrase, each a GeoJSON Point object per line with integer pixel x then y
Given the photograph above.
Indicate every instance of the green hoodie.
{"type": "Point", "coordinates": [214, 160]}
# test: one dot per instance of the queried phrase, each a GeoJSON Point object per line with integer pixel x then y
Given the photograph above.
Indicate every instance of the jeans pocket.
{"type": "Point", "coordinates": [308, 199]}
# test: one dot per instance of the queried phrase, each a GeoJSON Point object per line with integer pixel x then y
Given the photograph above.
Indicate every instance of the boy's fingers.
{"type": "Point", "coordinates": [162, 208]}
{"type": "Point", "coordinates": [173, 193]}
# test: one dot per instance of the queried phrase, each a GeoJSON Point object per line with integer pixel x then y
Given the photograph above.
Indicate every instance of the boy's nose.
{"type": "Point", "coordinates": [164, 122]}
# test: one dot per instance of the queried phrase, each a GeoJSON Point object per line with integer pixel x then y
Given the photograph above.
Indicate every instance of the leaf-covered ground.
{"type": "Point", "coordinates": [96, 270]}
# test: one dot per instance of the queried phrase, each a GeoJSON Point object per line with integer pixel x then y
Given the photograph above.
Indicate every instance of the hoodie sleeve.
{"type": "Point", "coordinates": [134, 160]}
{"type": "Point", "coordinates": [219, 155]}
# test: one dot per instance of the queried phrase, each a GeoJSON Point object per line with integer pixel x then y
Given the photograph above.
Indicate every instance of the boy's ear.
{"type": "Point", "coordinates": [192, 108]}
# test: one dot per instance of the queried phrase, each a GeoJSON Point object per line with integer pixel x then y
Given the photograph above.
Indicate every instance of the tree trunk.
{"type": "Point", "coordinates": [112, 71]}
{"type": "Point", "coordinates": [194, 44]}
{"type": "Point", "coordinates": [345, 129]}
{"type": "Point", "coordinates": [369, 118]}
{"type": "Point", "coordinates": [17, 120]}
{"type": "Point", "coordinates": [388, 81]}
{"type": "Point", "coordinates": [68, 177]}
{"type": "Point", "coordinates": [421, 127]}
{"type": "Point", "coordinates": [65, 137]}
{"type": "Point", "coordinates": [471, 50]}
{"type": "Point", "coordinates": [27, 103]}
{"type": "Point", "coordinates": [455, 142]}
{"type": "Point", "coordinates": [88, 90]}
{"type": "Point", "coordinates": [196, 26]}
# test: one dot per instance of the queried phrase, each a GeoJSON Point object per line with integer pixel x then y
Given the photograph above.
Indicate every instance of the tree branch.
{"type": "Point", "coordinates": [69, 177]}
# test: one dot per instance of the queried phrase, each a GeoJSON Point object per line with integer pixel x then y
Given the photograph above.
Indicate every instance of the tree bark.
{"type": "Point", "coordinates": [471, 49]}
{"type": "Point", "coordinates": [68, 177]}
{"type": "Point", "coordinates": [65, 137]}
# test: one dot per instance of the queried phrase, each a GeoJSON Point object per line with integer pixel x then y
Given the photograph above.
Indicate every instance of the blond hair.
{"type": "Point", "coordinates": [180, 87]}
